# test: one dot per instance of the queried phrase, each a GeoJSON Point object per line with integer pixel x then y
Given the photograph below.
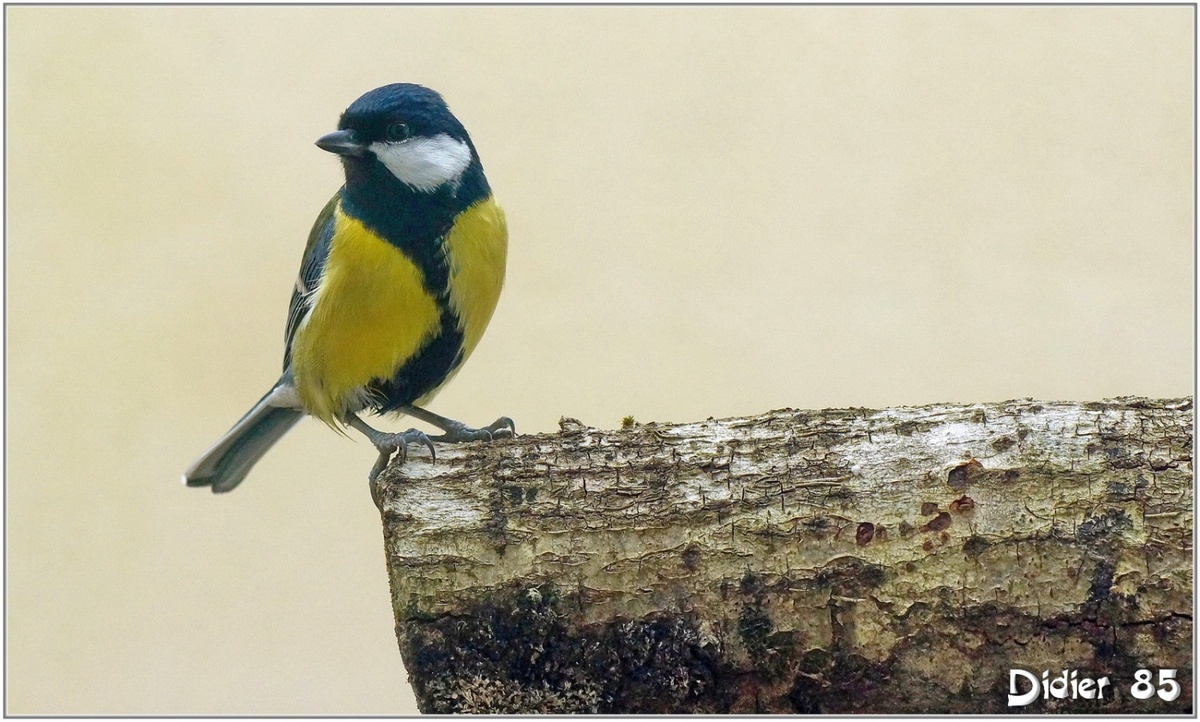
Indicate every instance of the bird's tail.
{"type": "Point", "coordinates": [229, 460]}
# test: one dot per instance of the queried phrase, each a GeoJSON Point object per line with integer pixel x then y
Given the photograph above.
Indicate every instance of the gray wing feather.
{"type": "Point", "coordinates": [311, 266]}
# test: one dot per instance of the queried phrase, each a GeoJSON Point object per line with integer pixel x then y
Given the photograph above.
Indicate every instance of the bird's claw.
{"type": "Point", "coordinates": [501, 428]}
{"type": "Point", "coordinates": [397, 444]}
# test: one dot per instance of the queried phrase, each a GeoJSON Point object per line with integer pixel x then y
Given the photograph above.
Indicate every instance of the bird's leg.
{"type": "Point", "coordinates": [388, 444]}
{"type": "Point", "coordinates": [456, 432]}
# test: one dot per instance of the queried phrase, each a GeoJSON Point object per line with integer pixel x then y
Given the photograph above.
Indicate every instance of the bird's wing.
{"type": "Point", "coordinates": [315, 253]}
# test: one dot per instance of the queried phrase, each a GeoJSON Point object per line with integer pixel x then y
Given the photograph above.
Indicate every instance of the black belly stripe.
{"type": "Point", "coordinates": [425, 371]}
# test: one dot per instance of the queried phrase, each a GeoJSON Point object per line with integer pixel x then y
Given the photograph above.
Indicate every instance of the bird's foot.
{"type": "Point", "coordinates": [397, 444]}
{"type": "Point", "coordinates": [457, 432]}
{"type": "Point", "coordinates": [389, 445]}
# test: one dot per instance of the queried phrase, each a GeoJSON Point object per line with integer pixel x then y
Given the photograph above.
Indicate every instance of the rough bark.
{"type": "Point", "coordinates": [845, 560]}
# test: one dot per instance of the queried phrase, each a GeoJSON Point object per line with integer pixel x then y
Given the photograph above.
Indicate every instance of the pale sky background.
{"type": "Point", "coordinates": [713, 212]}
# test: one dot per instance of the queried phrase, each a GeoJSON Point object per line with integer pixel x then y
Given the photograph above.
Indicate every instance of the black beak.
{"type": "Point", "coordinates": [342, 142]}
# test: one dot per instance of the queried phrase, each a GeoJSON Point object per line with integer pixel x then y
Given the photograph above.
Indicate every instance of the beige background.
{"type": "Point", "coordinates": [714, 211]}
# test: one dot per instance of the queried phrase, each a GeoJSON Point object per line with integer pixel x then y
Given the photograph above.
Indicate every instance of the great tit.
{"type": "Point", "coordinates": [399, 279]}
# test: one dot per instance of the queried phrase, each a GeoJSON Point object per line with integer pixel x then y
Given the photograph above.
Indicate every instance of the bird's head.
{"type": "Point", "coordinates": [409, 130]}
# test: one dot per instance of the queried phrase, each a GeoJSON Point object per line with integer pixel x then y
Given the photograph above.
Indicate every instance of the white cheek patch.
{"type": "Point", "coordinates": [425, 163]}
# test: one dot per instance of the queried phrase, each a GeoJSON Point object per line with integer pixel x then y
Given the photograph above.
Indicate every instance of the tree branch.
{"type": "Point", "coordinates": [846, 560]}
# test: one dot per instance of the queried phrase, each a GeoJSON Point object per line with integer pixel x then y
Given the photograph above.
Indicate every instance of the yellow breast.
{"type": "Point", "coordinates": [477, 247]}
{"type": "Point", "coordinates": [372, 312]}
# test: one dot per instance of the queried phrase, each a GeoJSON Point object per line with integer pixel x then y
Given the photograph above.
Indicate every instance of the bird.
{"type": "Point", "coordinates": [400, 276]}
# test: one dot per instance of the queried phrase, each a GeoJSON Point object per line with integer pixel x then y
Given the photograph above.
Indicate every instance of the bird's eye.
{"type": "Point", "coordinates": [398, 131]}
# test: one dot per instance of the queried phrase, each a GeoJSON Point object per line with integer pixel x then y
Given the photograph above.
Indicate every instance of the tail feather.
{"type": "Point", "coordinates": [229, 460]}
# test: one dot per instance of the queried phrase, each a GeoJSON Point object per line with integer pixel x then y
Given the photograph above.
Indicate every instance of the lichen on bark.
{"type": "Point", "coordinates": [845, 560]}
